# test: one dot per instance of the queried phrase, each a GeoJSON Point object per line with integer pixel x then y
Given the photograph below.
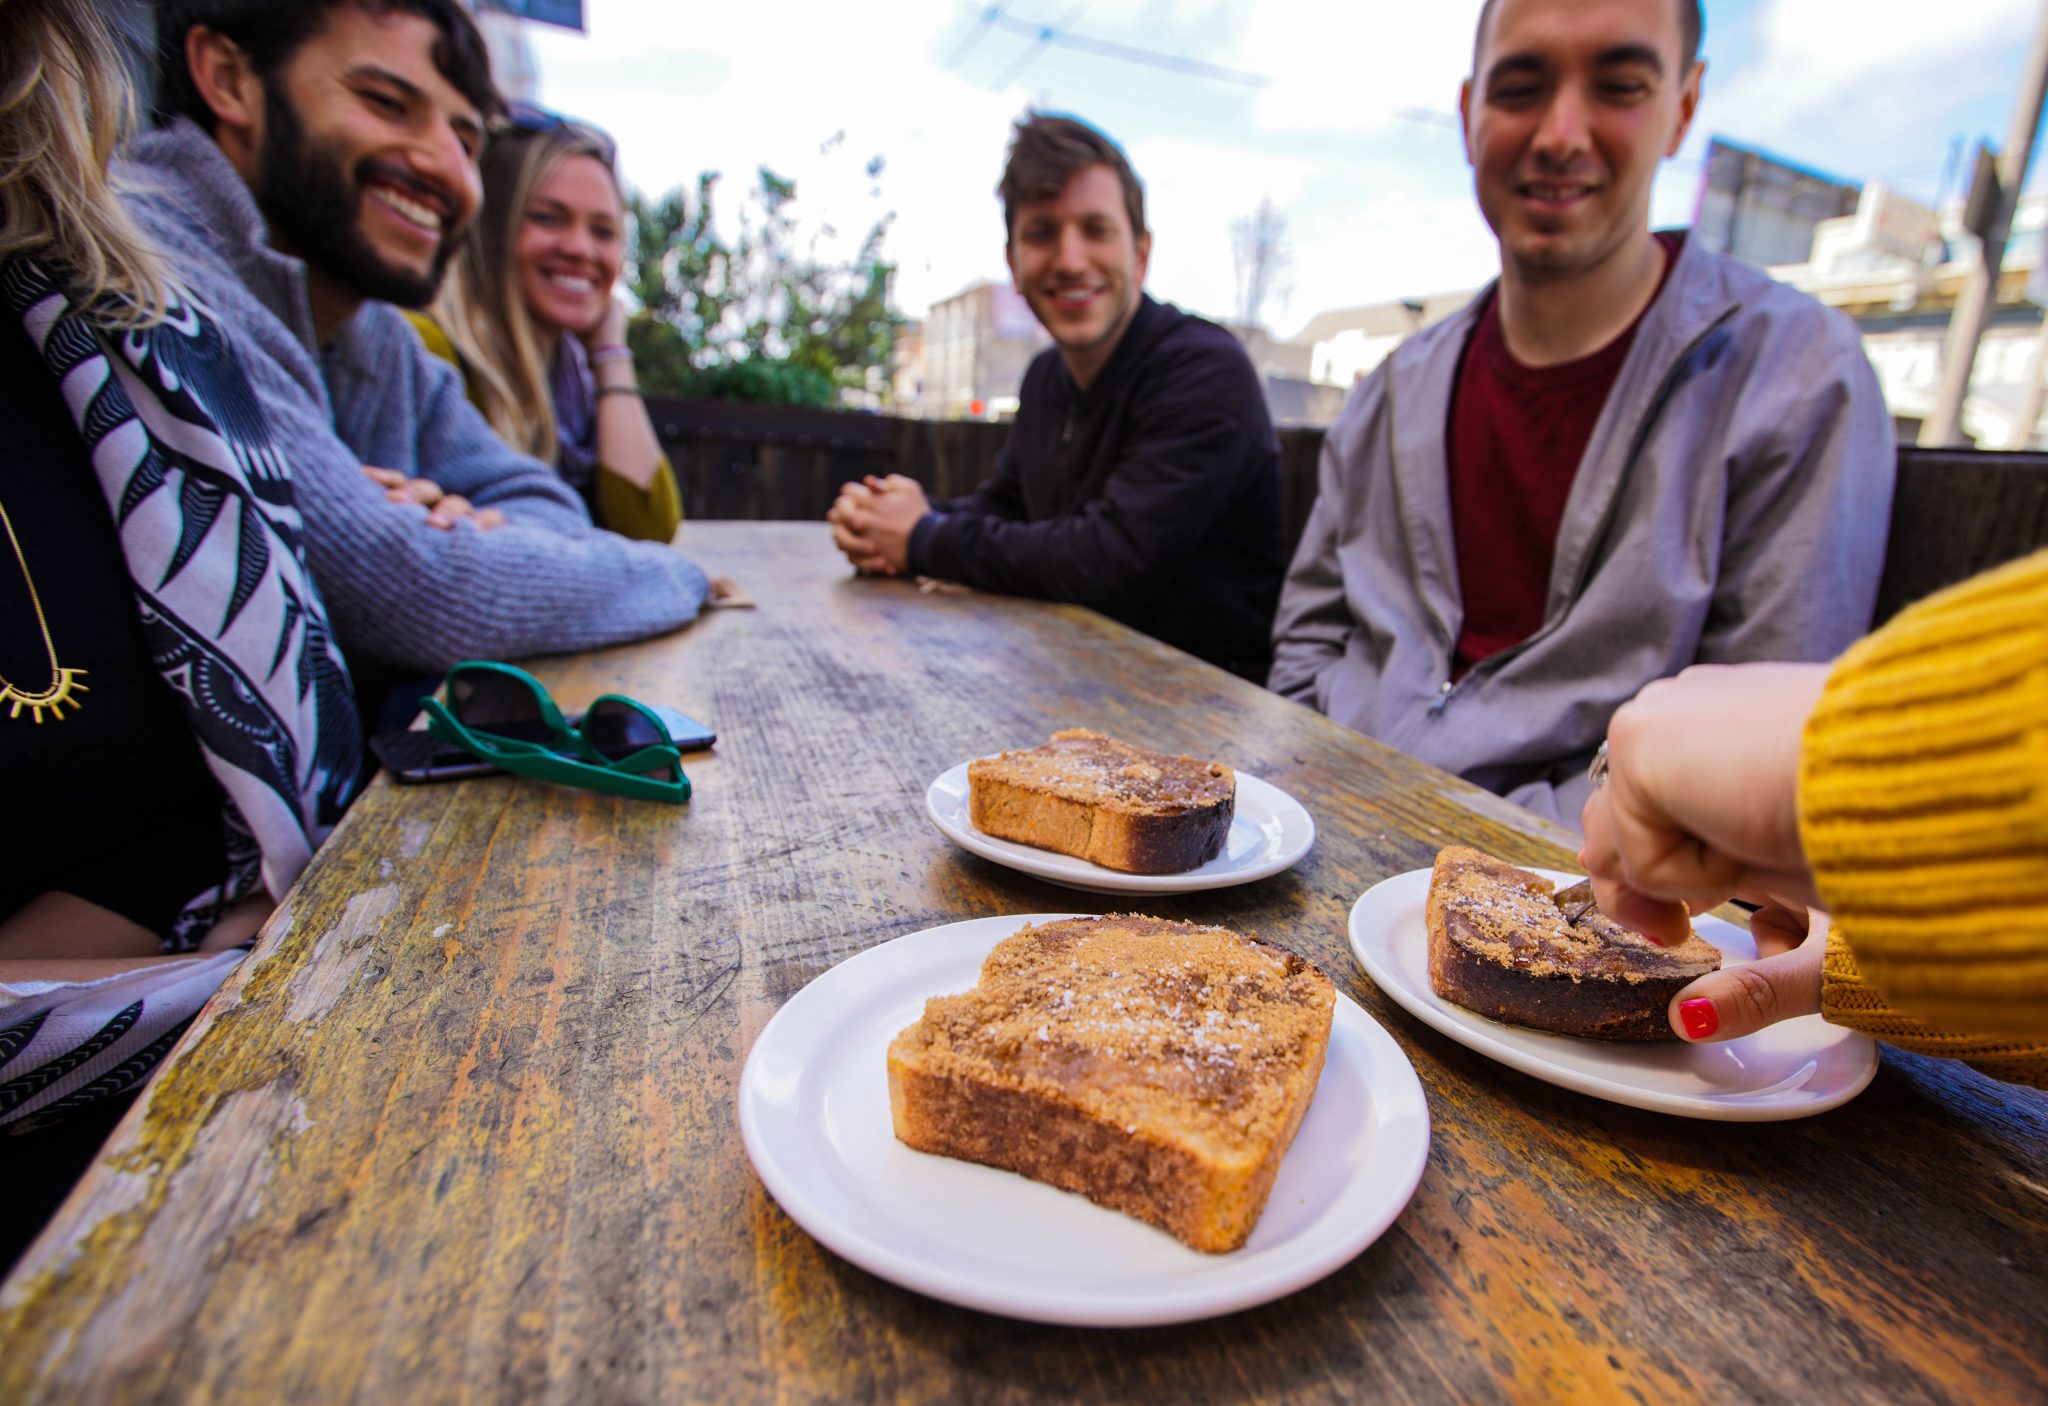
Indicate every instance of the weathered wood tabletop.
{"type": "Point", "coordinates": [463, 1128]}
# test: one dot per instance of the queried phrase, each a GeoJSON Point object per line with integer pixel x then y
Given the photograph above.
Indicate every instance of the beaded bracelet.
{"type": "Point", "coordinates": [603, 391]}
{"type": "Point", "coordinates": [610, 352]}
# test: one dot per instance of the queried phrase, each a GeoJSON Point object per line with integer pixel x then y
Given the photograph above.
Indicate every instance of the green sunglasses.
{"type": "Point", "coordinates": [502, 715]}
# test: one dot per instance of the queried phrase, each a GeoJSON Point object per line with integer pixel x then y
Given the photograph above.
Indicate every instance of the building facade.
{"type": "Point", "coordinates": [974, 348]}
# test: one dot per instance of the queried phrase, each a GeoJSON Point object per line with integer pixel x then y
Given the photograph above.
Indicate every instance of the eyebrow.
{"type": "Point", "coordinates": [412, 93]}
{"type": "Point", "coordinates": [1624, 54]}
{"type": "Point", "coordinates": [384, 75]}
{"type": "Point", "coordinates": [1516, 65]}
{"type": "Point", "coordinates": [1615, 56]}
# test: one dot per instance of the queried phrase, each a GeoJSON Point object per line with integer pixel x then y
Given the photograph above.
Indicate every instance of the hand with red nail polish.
{"type": "Point", "coordinates": [1783, 982]}
{"type": "Point", "coordinates": [1701, 796]}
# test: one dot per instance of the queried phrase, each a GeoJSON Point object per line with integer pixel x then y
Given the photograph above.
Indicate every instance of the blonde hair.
{"type": "Point", "coordinates": [65, 104]}
{"type": "Point", "coordinates": [505, 350]}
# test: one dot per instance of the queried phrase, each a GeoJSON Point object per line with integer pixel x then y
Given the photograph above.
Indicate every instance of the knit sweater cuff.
{"type": "Point", "coordinates": [1846, 999]}
{"type": "Point", "coordinates": [1923, 798]}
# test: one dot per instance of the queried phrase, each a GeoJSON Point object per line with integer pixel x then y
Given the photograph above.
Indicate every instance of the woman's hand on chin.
{"type": "Point", "coordinates": [609, 330]}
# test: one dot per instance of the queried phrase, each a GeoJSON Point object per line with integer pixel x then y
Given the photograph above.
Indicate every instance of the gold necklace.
{"type": "Point", "coordinates": [64, 683]}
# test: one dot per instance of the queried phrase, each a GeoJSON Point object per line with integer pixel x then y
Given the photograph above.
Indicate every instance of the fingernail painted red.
{"type": "Point", "coordinates": [1700, 1017]}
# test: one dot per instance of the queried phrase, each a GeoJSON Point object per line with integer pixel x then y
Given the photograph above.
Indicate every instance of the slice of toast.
{"type": "Point", "coordinates": [1499, 945]}
{"type": "Point", "coordinates": [1157, 1068]}
{"type": "Point", "coordinates": [1106, 802]}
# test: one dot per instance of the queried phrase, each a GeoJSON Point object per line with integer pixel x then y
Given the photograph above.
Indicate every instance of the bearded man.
{"type": "Point", "coordinates": [318, 163]}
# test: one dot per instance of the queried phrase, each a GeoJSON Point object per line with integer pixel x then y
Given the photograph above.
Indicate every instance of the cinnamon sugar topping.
{"type": "Point", "coordinates": [1139, 1019]}
{"type": "Point", "coordinates": [1518, 921]}
{"type": "Point", "coordinates": [1086, 766]}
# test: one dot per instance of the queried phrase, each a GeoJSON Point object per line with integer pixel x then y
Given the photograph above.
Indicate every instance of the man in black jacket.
{"type": "Point", "coordinates": [1142, 476]}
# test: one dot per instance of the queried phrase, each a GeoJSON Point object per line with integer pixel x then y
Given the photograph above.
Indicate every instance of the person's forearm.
{"type": "Point", "coordinates": [626, 442]}
{"type": "Point", "coordinates": [79, 969]}
{"type": "Point", "coordinates": [1848, 999]}
{"type": "Point", "coordinates": [1923, 804]}
{"type": "Point", "coordinates": [63, 937]}
{"type": "Point", "coordinates": [405, 595]}
{"type": "Point", "coordinates": [1313, 620]}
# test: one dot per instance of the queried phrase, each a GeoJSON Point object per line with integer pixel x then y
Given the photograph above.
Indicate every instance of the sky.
{"type": "Point", "coordinates": [1344, 115]}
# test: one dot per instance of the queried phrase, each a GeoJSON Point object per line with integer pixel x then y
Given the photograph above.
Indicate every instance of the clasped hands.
{"type": "Point", "coordinates": [444, 509]}
{"type": "Point", "coordinates": [872, 519]}
{"type": "Point", "coordinates": [1701, 805]}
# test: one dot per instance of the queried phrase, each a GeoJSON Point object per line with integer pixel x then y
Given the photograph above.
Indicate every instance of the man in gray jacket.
{"type": "Point", "coordinates": [1626, 456]}
{"type": "Point", "coordinates": [319, 163]}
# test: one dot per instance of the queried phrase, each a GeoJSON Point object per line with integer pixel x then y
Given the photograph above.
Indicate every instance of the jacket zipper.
{"type": "Point", "coordinates": [1500, 658]}
{"type": "Point", "coordinates": [1064, 485]}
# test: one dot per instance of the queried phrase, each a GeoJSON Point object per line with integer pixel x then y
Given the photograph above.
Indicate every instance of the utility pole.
{"type": "Point", "coordinates": [1973, 308]}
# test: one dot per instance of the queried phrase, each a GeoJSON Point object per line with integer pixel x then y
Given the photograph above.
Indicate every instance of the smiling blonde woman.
{"type": "Point", "coordinates": [528, 315]}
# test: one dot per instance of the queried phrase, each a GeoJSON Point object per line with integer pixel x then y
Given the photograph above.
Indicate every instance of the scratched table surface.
{"type": "Point", "coordinates": [463, 1127]}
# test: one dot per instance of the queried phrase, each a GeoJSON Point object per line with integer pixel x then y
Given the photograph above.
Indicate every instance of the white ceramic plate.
{"type": "Point", "coordinates": [1790, 1070]}
{"type": "Point", "coordinates": [814, 1113]}
{"type": "Point", "coordinates": [1269, 831]}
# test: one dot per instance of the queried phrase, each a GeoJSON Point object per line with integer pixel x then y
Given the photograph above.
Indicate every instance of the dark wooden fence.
{"type": "Point", "coordinates": [774, 462]}
{"type": "Point", "coordinates": [1958, 511]}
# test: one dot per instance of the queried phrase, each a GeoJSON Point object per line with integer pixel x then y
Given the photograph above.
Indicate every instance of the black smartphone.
{"type": "Point", "coordinates": [417, 757]}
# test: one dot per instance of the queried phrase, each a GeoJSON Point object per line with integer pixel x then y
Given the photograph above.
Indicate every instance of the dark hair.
{"type": "Point", "coordinates": [270, 33]}
{"type": "Point", "coordinates": [1692, 25]}
{"type": "Point", "coordinates": [1047, 151]}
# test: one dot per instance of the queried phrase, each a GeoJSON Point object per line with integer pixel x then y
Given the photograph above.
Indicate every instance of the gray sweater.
{"type": "Point", "coordinates": [1732, 505]}
{"type": "Point", "coordinates": [399, 592]}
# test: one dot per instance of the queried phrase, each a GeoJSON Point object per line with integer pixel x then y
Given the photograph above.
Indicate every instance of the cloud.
{"type": "Point", "coordinates": [1397, 244]}
{"type": "Point", "coordinates": [1376, 194]}
{"type": "Point", "coordinates": [1193, 194]}
{"type": "Point", "coordinates": [1359, 68]}
{"type": "Point", "coordinates": [791, 84]}
{"type": "Point", "coordinates": [1864, 78]}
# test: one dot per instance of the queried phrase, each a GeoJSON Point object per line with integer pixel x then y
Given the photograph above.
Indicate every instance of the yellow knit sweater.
{"type": "Point", "coordinates": [1923, 803]}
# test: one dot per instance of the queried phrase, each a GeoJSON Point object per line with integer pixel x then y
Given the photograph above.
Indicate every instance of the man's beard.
{"type": "Point", "coordinates": [315, 207]}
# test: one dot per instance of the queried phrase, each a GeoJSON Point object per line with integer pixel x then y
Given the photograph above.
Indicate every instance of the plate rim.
{"type": "Point", "coordinates": [1377, 1057]}
{"type": "Point", "coordinates": [1459, 1025]}
{"type": "Point", "coordinates": [1098, 879]}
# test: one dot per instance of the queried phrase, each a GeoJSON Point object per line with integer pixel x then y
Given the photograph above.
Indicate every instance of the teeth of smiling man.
{"type": "Point", "coordinates": [412, 209]}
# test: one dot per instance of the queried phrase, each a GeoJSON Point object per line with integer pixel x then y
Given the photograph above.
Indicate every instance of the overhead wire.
{"type": "Point", "coordinates": [1044, 36]}
{"type": "Point", "coordinates": [1043, 41]}
{"type": "Point", "coordinates": [988, 18]}
{"type": "Point", "coordinates": [1050, 34]}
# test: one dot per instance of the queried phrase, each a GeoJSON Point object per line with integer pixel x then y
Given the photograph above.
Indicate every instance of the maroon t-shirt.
{"type": "Point", "coordinates": [1515, 439]}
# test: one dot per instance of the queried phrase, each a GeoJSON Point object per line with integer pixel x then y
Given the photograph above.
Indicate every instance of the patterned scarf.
{"type": "Point", "coordinates": [202, 499]}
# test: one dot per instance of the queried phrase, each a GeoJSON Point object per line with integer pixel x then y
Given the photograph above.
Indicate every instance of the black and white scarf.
{"type": "Point", "coordinates": [201, 496]}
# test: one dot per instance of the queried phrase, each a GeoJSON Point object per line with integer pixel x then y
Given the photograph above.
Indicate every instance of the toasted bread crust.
{"type": "Point", "coordinates": [1056, 1143]}
{"type": "Point", "coordinates": [1106, 802]}
{"type": "Point", "coordinates": [1499, 946]}
{"type": "Point", "coordinates": [1159, 1069]}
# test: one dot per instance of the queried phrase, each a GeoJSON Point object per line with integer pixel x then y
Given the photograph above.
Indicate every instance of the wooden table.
{"type": "Point", "coordinates": [463, 1128]}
